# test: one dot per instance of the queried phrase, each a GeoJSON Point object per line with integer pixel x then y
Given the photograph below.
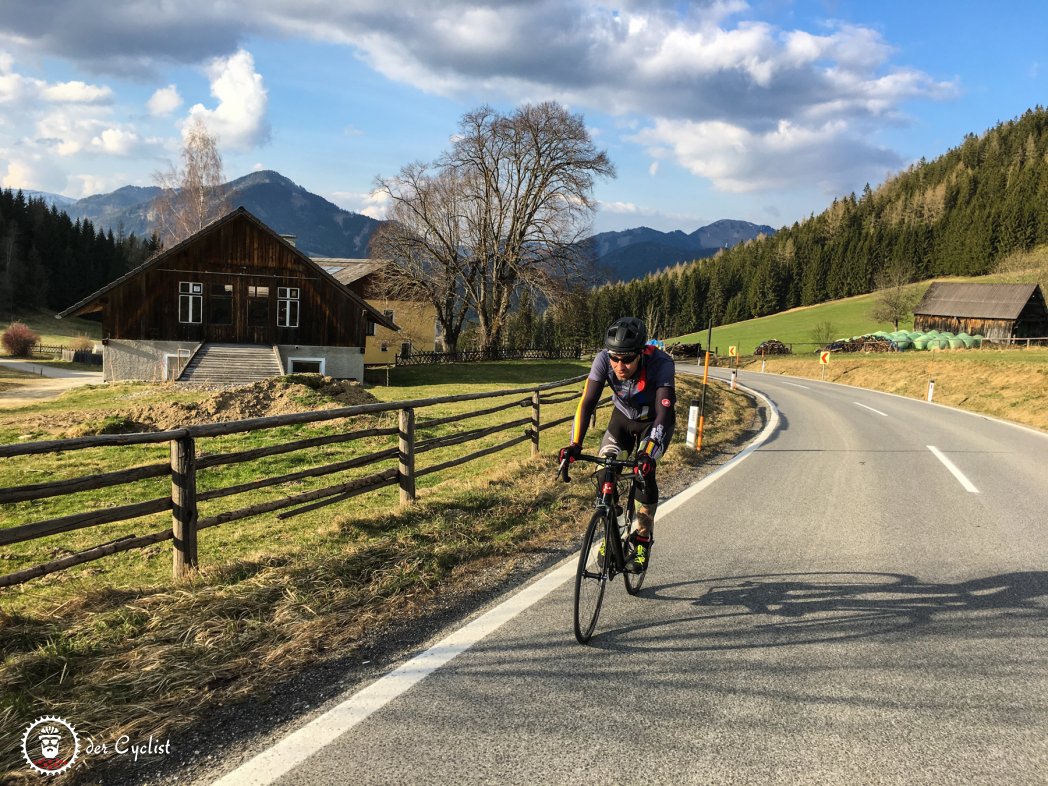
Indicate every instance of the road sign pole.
{"type": "Point", "coordinates": [702, 401]}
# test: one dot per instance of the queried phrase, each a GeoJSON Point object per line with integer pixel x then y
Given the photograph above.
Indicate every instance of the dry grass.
{"type": "Point", "coordinates": [1009, 384]}
{"type": "Point", "coordinates": [155, 658]}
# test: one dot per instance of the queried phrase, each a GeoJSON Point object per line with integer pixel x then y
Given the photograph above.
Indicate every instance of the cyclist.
{"type": "Point", "coordinates": [641, 380]}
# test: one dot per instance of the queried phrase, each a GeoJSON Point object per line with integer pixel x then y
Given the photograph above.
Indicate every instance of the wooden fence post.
{"type": "Point", "coordinates": [406, 472]}
{"type": "Point", "coordinates": [184, 506]}
{"type": "Point", "coordinates": [536, 403]}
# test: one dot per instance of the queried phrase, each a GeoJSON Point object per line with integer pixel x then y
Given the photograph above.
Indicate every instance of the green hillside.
{"type": "Point", "coordinates": [847, 317]}
{"type": "Point", "coordinates": [962, 214]}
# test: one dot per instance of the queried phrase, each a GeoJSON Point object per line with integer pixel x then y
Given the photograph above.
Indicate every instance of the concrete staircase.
{"type": "Point", "coordinates": [231, 364]}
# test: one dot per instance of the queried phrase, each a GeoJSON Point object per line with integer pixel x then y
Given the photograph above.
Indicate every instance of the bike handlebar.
{"type": "Point", "coordinates": [562, 472]}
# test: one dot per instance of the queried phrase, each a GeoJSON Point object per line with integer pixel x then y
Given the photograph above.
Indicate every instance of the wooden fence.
{"type": "Point", "coordinates": [475, 355]}
{"type": "Point", "coordinates": [185, 464]}
{"type": "Point", "coordinates": [54, 350]}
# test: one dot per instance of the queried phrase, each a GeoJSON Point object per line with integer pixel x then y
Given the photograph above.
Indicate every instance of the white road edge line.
{"type": "Point", "coordinates": [856, 403]}
{"type": "Point", "coordinates": [968, 486]}
{"type": "Point", "coordinates": [299, 745]}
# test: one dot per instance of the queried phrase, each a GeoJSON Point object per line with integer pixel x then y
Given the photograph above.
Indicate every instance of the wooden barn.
{"type": "Point", "coordinates": [996, 311]}
{"type": "Point", "coordinates": [240, 294]}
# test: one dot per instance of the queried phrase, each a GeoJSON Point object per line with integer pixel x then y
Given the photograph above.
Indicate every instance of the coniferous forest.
{"type": "Point", "coordinates": [957, 215]}
{"type": "Point", "coordinates": [47, 260]}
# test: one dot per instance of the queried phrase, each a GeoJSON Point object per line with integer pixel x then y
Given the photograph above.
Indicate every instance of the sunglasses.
{"type": "Point", "coordinates": [625, 359]}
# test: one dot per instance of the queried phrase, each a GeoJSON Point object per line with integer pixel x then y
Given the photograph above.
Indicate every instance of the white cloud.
{"type": "Point", "coordinates": [76, 93]}
{"type": "Point", "coordinates": [626, 208]}
{"type": "Point", "coordinates": [164, 101]}
{"type": "Point", "coordinates": [239, 120]}
{"type": "Point", "coordinates": [28, 92]}
{"type": "Point", "coordinates": [373, 204]}
{"type": "Point", "coordinates": [711, 86]}
{"type": "Point", "coordinates": [654, 168]}
{"type": "Point", "coordinates": [18, 175]}
{"type": "Point", "coordinates": [116, 141]}
{"type": "Point", "coordinates": [724, 77]}
{"type": "Point", "coordinates": [737, 160]}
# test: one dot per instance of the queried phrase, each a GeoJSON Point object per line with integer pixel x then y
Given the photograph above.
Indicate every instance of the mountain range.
{"type": "Point", "coordinates": [634, 253]}
{"type": "Point", "coordinates": [323, 229]}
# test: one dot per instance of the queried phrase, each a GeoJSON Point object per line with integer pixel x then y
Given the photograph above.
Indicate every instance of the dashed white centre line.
{"type": "Point", "coordinates": [883, 415]}
{"type": "Point", "coordinates": [794, 385]}
{"type": "Point", "coordinates": [968, 486]}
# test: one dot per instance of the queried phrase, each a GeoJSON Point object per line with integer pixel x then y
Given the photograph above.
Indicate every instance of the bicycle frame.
{"type": "Point", "coordinates": [607, 501]}
{"type": "Point", "coordinates": [596, 567]}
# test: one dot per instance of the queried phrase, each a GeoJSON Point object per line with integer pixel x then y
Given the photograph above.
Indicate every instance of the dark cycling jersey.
{"type": "Point", "coordinates": [647, 397]}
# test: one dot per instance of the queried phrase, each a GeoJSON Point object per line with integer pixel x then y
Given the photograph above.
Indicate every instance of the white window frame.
{"type": "Point", "coordinates": [291, 364]}
{"type": "Point", "coordinates": [192, 293]}
{"type": "Point", "coordinates": [287, 296]}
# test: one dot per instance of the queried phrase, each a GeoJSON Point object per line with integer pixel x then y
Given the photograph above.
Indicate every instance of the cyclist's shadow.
{"type": "Point", "coordinates": [775, 610]}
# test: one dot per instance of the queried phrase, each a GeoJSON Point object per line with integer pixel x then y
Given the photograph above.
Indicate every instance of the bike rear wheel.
{"type": "Point", "coordinates": [591, 577]}
{"type": "Point", "coordinates": [633, 581]}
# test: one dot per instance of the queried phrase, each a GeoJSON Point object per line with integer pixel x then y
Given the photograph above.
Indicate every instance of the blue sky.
{"type": "Point", "coordinates": [762, 111]}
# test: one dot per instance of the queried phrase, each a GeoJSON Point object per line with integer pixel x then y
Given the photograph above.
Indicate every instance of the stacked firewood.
{"type": "Point", "coordinates": [771, 347]}
{"type": "Point", "coordinates": [868, 343]}
{"type": "Point", "coordinates": [680, 350]}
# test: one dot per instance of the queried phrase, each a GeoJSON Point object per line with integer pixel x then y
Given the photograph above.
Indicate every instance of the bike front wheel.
{"type": "Point", "coordinates": [591, 577]}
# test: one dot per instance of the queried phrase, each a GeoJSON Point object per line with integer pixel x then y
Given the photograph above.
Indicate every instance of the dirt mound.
{"type": "Point", "coordinates": [281, 396]}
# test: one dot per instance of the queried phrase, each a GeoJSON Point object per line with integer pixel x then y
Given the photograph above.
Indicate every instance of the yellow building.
{"type": "Point", "coordinates": [419, 328]}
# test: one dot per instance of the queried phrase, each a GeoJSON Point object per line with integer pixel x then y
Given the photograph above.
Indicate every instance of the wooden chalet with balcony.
{"type": "Point", "coordinates": [236, 289]}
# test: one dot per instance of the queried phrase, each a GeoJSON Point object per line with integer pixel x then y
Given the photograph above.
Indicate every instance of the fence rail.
{"type": "Point", "coordinates": [185, 464]}
{"type": "Point", "coordinates": [472, 356]}
{"type": "Point", "coordinates": [54, 350]}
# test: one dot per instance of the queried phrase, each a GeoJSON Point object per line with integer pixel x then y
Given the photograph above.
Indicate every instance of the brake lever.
{"type": "Point", "coordinates": [562, 472]}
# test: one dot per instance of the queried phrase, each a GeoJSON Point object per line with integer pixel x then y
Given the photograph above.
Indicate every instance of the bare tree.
{"type": "Point", "coordinates": [895, 299]}
{"type": "Point", "coordinates": [503, 210]}
{"type": "Point", "coordinates": [194, 195]}
{"type": "Point", "coordinates": [423, 241]}
{"type": "Point", "coordinates": [822, 333]}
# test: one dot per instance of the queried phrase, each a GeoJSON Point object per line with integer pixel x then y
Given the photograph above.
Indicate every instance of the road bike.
{"type": "Point", "coordinates": [606, 549]}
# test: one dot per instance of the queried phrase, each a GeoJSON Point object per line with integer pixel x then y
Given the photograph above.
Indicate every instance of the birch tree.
{"type": "Point", "coordinates": [193, 195]}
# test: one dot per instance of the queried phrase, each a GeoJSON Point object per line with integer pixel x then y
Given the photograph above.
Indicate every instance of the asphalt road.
{"type": "Point", "coordinates": [52, 382]}
{"type": "Point", "coordinates": [843, 605]}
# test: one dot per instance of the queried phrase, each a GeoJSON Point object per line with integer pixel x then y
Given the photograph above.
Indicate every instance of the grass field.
{"type": "Point", "coordinates": [1010, 384]}
{"type": "Point", "coordinates": [122, 648]}
{"type": "Point", "coordinates": [55, 331]}
{"type": "Point", "coordinates": [848, 317]}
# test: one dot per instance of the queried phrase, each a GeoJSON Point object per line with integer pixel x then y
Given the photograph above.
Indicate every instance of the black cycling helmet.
{"type": "Point", "coordinates": [627, 334]}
